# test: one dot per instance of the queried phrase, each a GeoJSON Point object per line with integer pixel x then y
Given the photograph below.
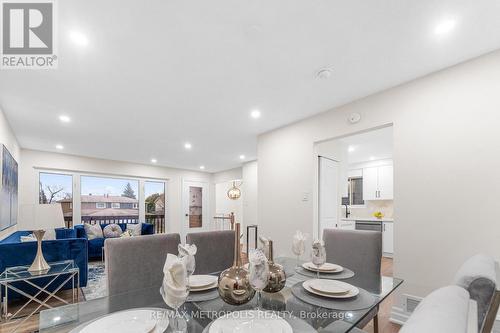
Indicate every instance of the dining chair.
{"type": "Point", "coordinates": [135, 263]}
{"type": "Point", "coordinates": [361, 252]}
{"type": "Point", "coordinates": [215, 250]}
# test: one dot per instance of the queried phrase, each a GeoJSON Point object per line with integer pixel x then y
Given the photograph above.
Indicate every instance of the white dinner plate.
{"type": "Point", "coordinates": [200, 281]}
{"type": "Point", "coordinates": [250, 321]}
{"type": "Point", "coordinates": [352, 292]}
{"type": "Point", "coordinates": [330, 286]}
{"type": "Point", "coordinates": [210, 286]}
{"type": "Point", "coordinates": [129, 321]}
{"type": "Point", "coordinates": [325, 268]}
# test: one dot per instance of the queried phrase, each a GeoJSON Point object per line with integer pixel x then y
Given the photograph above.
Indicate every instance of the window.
{"type": "Point", "coordinates": [154, 202]}
{"type": "Point", "coordinates": [355, 192]}
{"type": "Point", "coordinates": [109, 200]}
{"type": "Point", "coordinates": [57, 188]}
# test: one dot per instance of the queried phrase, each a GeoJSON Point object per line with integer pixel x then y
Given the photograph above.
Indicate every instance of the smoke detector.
{"type": "Point", "coordinates": [324, 73]}
{"type": "Point", "coordinates": [354, 118]}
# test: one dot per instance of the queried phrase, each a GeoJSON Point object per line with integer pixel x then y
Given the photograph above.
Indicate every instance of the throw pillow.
{"type": "Point", "coordinates": [135, 228]}
{"type": "Point", "coordinates": [93, 231]}
{"type": "Point", "coordinates": [29, 238]}
{"type": "Point", "coordinates": [126, 233]}
{"type": "Point", "coordinates": [112, 231]}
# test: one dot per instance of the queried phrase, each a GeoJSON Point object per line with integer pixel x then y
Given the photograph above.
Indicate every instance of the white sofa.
{"type": "Point", "coordinates": [469, 305]}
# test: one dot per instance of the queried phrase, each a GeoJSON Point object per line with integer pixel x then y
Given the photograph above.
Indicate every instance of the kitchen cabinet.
{"type": "Point", "coordinates": [388, 238]}
{"type": "Point", "coordinates": [378, 183]}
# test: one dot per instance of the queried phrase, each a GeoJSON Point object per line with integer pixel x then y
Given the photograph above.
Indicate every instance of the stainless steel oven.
{"type": "Point", "coordinates": [369, 225]}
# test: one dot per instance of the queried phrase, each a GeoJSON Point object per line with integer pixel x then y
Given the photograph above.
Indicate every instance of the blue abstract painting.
{"type": "Point", "coordinates": [8, 190]}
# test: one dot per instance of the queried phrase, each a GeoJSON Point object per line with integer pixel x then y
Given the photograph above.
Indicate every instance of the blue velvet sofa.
{"type": "Point", "coordinates": [66, 247]}
{"type": "Point", "coordinates": [95, 245]}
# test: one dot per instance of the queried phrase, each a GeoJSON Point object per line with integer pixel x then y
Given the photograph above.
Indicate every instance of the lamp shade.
{"type": "Point", "coordinates": [41, 217]}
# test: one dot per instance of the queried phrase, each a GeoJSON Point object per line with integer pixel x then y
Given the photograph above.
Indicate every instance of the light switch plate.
{"type": "Point", "coordinates": [305, 196]}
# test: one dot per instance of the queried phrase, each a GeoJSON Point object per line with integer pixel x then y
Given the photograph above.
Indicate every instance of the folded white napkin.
{"type": "Point", "coordinates": [174, 287]}
{"type": "Point", "coordinates": [186, 253]}
{"type": "Point", "coordinates": [299, 243]}
{"type": "Point", "coordinates": [259, 269]}
{"type": "Point", "coordinates": [318, 254]}
{"type": "Point", "coordinates": [264, 245]}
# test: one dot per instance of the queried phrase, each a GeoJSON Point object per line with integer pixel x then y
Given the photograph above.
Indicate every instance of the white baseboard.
{"type": "Point", "coordinates": [398, 315]}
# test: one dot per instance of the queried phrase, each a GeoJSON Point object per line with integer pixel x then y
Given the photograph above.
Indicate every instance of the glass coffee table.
{"type": "Point", "coordinates": [18, 279]}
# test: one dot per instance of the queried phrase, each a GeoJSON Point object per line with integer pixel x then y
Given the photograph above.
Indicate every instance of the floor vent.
{"type": "Point", "coordinates": [411, 302]}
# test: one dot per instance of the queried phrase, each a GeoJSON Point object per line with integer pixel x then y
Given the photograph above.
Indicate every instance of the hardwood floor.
{"type": "Point", "coordinates": [31, 325]}
{"type": "Point", "coordinates": [385, 326]}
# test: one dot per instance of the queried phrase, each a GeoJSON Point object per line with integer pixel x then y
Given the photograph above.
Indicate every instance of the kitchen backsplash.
{"type": "Point", "coordinates": [384, 206]}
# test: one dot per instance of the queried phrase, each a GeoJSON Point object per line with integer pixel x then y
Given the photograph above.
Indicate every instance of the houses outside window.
{"type": "Point", "coordinates": [109, 200]}
{"type": "Point", "coordinates": [154, 202]}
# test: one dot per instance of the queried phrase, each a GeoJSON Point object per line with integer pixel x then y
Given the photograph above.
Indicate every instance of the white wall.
{"type": "Point", "coordinates": [249, 190]}
{"type": "Point", "coordinates": [8, 138]}
{"type": "Point", "coordinates": [28, 178]}
{"type": "Point", "coordinates": [227, 175]}
{"type": "Point", "coordinates": [446, 136]}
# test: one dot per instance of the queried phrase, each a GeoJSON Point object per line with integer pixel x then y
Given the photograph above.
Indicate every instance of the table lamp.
{"type": "Point", "coordinates": [42, 217]}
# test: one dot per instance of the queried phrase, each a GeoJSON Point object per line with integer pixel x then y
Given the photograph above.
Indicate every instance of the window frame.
{"type": "Point", "coordinates": [113, 205]}
{"type": "Point", "coordinates": [349, 194]}
{"type": "Point", "coordinates": [101, 204]}
{"type": "Point", "coordinates": [76, 190]}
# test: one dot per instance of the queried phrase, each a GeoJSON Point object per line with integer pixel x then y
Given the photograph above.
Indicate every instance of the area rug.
{"type": "Point", "coordinates": [96, 283]}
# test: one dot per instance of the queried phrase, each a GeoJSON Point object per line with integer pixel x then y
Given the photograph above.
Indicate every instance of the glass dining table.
{"type": "Point", "coordinates": [303, 312]}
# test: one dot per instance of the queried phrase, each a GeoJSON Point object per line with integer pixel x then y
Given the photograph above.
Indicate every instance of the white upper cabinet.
{"type": "Point", "coordinates": [385, 182]}
{"type": "Point", "coordinates": [378, 183]}
{"type": "Point", "coordinates": [370, 183]}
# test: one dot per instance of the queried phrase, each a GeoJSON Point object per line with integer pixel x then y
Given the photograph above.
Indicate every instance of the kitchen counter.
{"type": "Point", "coordinates": [368, 219]}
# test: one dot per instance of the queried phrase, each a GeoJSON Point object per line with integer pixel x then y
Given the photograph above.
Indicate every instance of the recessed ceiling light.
{"type": "Point", "coordinates": [372, 158]}
{"type": "Point", "coordinates": [78, 38]}
{"type": "Point", "coordinates": [324, 73]}
{"type": "Point", "coordinates": [202, 167]}
{"type": "Point", "coordinates": [187, 145]}
{"type": "Point", "coordinates": [445, 26]}
{"type": "Point", "coordinates": [154, 160]}
{"type": "Point", "coordinates": [351, 149]}
{"type": "Point", "coordinates": [242, 157]}
{"type": "Point", "coordinates": [64, 119]}
{"type": "Point", "coordinates": [59, 147]}
{"type": "Point", "coordinates": [255, 114]}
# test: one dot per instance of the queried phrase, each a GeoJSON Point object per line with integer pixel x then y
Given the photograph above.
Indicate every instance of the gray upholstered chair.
{"type": "Point", "coordinates": [137, 262]}
{"type": "Point", "coordinates": [478, 275]}
{"type": "Point", "coordinates": [361, 252]}
{"type": "Point", "coordinates": [215, 250]}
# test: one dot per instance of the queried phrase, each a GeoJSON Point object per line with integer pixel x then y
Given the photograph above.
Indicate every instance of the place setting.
{"type": "Point", "coordinates": [318, 267]}
{"type": "Point", "coordinates": [329, 293]}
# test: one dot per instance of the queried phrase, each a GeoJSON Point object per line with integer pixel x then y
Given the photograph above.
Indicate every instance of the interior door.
{"type": "Point", "coordinates": [196, 206]}
{"type": "Point", "coordinates": [386, 182]}
{"type": "Point", "coordinates": [329, 199]}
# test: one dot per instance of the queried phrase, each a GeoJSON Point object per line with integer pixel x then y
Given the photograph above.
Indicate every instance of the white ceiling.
{"type": "Point", "coordinates": [372, 145]}
{"type": "Point", "coordinates": [158, 73]}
